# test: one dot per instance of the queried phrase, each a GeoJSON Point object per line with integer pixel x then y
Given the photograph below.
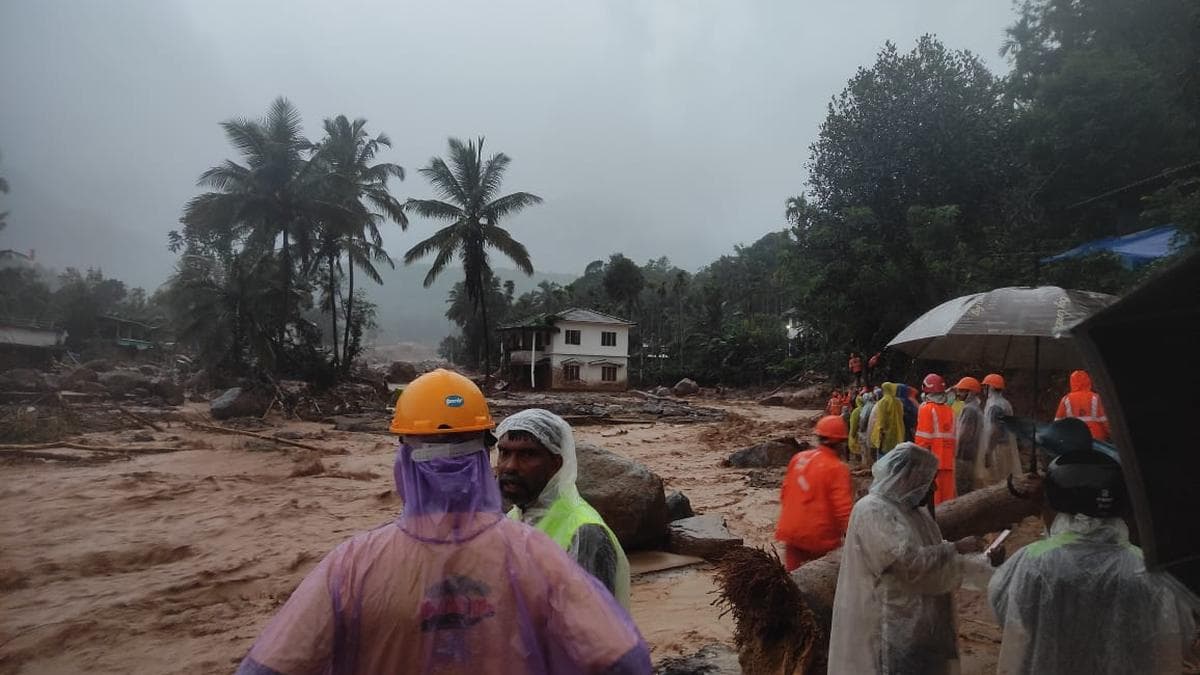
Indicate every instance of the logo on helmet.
{"type": "Point", "coordinates": [454, 401]}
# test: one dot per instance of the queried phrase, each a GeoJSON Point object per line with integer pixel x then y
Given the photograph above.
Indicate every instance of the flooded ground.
{"type": "Point", "coordinates": [172, 563]}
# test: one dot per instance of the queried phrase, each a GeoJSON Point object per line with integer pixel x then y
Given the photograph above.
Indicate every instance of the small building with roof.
{"type": "Point", "coordinates": [575, 349]}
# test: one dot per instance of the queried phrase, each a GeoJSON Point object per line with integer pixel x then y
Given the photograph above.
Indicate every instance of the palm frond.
{"type": "Point", "coordinates": [443, 258]}
{"type": "Point", "coordinates": [510, 204]}
{"type": "Point", "coordinates": [446, 239]}
{"type": "Point", "coordinates": [444, 181]}
{"type": "Point", "coordinates": [493, 176]}
{"type": "Point", "coordinates": [500, 239]}
{"type": "Point", "coordinates": [432, 208]}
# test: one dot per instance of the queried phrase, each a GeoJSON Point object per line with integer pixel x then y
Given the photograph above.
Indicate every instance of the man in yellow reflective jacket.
{"type": "Point", "coordinates": [537, 468]}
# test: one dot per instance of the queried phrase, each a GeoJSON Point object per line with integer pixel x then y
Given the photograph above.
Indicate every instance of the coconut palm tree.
{"type": "Point", "coordinates": [362, 188]}
{"type": "Point", "coordinates": [467, 186]}
{"type": "Point", "coordinates": [3, 214]}
{"type": "Point", "coordinates": [277, 194]}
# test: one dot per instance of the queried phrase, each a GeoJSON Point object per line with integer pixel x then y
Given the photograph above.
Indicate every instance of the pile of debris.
{"type": "Point", "coordinates": [98, 379]}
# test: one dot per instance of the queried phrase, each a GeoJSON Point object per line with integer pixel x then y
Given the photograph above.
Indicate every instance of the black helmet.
{"type": "Point", "coordinates": [1086, 482]}
{"type": "Point", "coordinates": [1070, 434]}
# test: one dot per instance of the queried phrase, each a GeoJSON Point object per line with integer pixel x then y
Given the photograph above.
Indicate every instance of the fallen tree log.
{"type": "Point", "coordinates": [251, 434]}
{"type": "Point", "coordinates": [123, 450]}
{"type": "Point", "coordinates": [746, 576]}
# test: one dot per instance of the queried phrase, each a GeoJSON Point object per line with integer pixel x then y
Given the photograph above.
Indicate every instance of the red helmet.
{"type": "Point", "coordinates": [933, 384]}
{"type": "Point", "coordinates": [832, 427]}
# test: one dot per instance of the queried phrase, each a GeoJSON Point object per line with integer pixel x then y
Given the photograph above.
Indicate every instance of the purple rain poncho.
{"type": "Point", "coordinates": [452, 586]}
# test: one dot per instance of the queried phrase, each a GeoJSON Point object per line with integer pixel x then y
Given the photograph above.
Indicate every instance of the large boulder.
{"type": "Point", "coordinates": [77, 377]}
{"type": "Point", "coordinates": [702, 536]}
{"type": "Point", "coordinates": [99, 365]}
{"type": "Point", "coordinates": [686, 387]}
{"type": "Point", "coordinates": [121, 382]}
{"type": "Point", "coordinates": [628, 496]}
{"type": "Point", "coordinates": [239, 402]}
{"type": "Point", "coordinates": [401, 372]}
{"type": "Point", "coordinates": [776, 452]}
{"type": "Point", "coordinates": [808, 398]}
{"type": "Point", "coordinates": [169, 390]}
{"type": "Point", "coordinates": [23, 379]}
{"type": "Point", "coordinates": [198, 382]}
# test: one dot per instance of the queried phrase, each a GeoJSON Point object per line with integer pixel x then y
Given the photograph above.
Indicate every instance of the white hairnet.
{"type": "Point", "coordinates": [555, 435]}
{"type": "Point", "coordinates": [904, 474]}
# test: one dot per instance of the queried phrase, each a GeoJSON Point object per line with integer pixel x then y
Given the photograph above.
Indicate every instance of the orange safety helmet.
{"type": "Point", "coordinates": [933, 384]}
{"type": "Point", "coordinates": [969, 384]}
{"type": "Point", "coordinates": [994, 381]}
{"type": "Point", "coordinates": [832, 427]}
{"type": "Point", "coordinates": [441, 402]}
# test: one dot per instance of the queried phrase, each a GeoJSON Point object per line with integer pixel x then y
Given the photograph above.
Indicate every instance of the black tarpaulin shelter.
{"type": "Point", "coordinates": [1143, 352]}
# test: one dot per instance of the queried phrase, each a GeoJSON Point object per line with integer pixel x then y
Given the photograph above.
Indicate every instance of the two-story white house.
{"type": "Point", "coordinates": [578, 349]}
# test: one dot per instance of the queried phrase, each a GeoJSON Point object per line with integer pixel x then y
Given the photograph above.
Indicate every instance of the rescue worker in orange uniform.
{"type": "Point", "coordinates": [816, 497]}
{"type": "Point", "coordinates": [935, 433]}
{"type": "Point", "coordinates": [1085, 404]}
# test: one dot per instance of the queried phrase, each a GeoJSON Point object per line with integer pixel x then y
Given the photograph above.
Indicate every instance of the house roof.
{"type": "Point", "coordinates": [576, 314]}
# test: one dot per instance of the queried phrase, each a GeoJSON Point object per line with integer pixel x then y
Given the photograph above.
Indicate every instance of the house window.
{"type": "Point", "coordinates": [571, 373]}
{"type": "Point", "coordinates": [608, 339]}
{"type": "Point", "coordinates": [572, 337]}
{"type": "Point", "coordinates": [537, 342]}
{"type": "Point", "coordinates": [608, 373]}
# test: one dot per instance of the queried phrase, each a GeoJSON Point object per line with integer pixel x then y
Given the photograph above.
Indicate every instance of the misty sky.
{"type": "Point", "coordinates": [651, 127]}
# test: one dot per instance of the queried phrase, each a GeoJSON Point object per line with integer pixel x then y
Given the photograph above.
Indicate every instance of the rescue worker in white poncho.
{"type": "Point", "coordinates": [537, 468]}
{"type": "Point", "coordinates": [894, 607]}
{"type": "Point", "coordinates": [1086, 567]}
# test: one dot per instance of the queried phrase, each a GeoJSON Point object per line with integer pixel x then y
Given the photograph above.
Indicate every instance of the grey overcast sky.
{"type": "Point", "coordinates": [651, 127]}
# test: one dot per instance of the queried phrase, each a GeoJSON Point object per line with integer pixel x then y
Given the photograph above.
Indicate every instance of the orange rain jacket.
{"type": "Point", "coordinates": [1085, 404]}
{"type": "Point", "coordinates": [935, 433]}
{"type": "Point", "coordinates": [815, 501]}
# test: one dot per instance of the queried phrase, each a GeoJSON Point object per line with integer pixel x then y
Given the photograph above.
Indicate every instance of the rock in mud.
{"type": "Point", "coordinates": [22, 379]}
{"type": "Point", "coordinates": [121, 382]}
{"type": "Point", "coordinates": [661, 391]}
{"type": "Point", "coordinates": [99, 365]}
{"type": "Point", "coordinates": [376, 424]}
{"type": "Point", "coordinates": [628, 496]}
{"type": "Point", "coordinates": [401, 372]}
{"type": "Point", "coordinates": [714, 659]}
{"type": "Point", "coordinates": [702, 536]}
{"type": "Point", "coordinates": [771, 453]}
{"type": "Point", "coordinates": [79, 376]}
{"type": "Point", "coordinates": [686, 387]}
{"type": "Point", "coordinates": [809, 398]}
{"type": "Point", "coordinates": [679, 506]}
{"type": "Point", "coordinates": [239, 402]}
{"type": "Point", "coordinates": [170, 392]}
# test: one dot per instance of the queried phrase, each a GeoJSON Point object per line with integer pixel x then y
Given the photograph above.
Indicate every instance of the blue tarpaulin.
{"type": "Point", "coordinates": [1133, 249]}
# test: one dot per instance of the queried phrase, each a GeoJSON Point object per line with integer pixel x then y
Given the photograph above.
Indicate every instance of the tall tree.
{"type": "Point", "coordinates": [467, 187]}
{"type": "Point", "coordinates": [361, 188]}
{"type": "Point", "coordinates": [623, 282]}
{"type": "Point", "coordinates": [277, 194]}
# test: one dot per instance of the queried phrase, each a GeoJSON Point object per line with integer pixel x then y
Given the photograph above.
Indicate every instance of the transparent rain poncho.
{"type": "Point", "coordinates": [452, 586]}
{"type": "Point", "coordinates": [595, 548]}
{"type": "Point", "coordinates": [997, 456]}
{"type": "Point", "coordinates": [968, 430]}
{"type": "Point", "coordinates": [893, 611]}
{"type": "Point", "coordinates": [1082, 601]}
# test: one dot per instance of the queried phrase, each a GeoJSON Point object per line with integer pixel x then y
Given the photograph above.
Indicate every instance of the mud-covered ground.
{"type": "Point", "coordinates": [172, 563]}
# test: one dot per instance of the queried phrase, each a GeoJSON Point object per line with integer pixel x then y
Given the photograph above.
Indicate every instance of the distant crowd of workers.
{"type": "Point", "coordinates": [1078, 601]}
{"type": "Point", "coordinates": [455, 585]}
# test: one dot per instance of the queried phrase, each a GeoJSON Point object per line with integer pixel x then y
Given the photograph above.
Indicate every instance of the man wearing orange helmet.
{"type": "Point", "coordinates": [1085, 404]}
{"type": "Point", "coordinates": [935, 433]}
{"type": "Point", "coordinates": [817, 497]}
{"type": "Point", "coordinates": [968, 427]}
{"type": "Point", "coordinates": [452, 585]}
{"type": "Point", "coordinates": [997, 456]}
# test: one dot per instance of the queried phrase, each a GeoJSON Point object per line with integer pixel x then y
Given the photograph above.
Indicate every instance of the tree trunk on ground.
{"type": "Point", "coordinates": [988, 510]}
{"type": "Point", "coordinates": [487, 347]}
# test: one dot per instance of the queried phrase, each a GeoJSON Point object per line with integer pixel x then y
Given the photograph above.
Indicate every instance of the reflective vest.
{"type": "Point", "coordinates": [1088, 403]}
{"type": "Point", "coordinates": [567, 514]}
{"type": "Point", "coordinates": [935, 433]}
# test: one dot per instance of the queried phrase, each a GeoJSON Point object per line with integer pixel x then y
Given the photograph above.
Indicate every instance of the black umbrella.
{"type": "Point", "coordinates": [1142, 352]}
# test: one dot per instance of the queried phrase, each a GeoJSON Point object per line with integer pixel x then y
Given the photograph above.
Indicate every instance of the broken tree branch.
{"type": "Point", "coordinates": [251, 434]}
{"type": "Point", "coordinates": [140, 420]}
{"type": "Point", "coordinates": [94, 448]}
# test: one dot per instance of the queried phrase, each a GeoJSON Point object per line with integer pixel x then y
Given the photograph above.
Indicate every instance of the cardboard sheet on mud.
{"type": "Point", "coordinates": [644, 562]}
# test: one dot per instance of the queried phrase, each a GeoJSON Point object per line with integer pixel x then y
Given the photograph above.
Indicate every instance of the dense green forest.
{"type": "Point", "coordinates": [930, 177]}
